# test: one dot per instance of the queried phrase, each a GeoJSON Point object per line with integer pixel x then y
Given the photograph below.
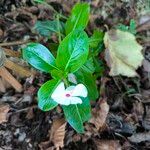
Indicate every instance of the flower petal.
{"type": "Point", "coordinates": [68, 101]}
{"type": "Point", "coordinates": [59, 91]}
{"type": "Point", "coordinates": [80, 90]}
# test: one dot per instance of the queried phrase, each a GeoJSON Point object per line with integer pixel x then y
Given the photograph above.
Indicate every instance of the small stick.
{"type": "Point", "coordinates": [4, 73]}
{"type": "Point", "coordinates": [13, 43]}
{"type": "Point", "coordinates": [17, 68]}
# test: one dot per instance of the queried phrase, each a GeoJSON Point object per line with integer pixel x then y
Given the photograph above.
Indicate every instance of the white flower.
{"type": "Point", "coordinates": [70, 95]}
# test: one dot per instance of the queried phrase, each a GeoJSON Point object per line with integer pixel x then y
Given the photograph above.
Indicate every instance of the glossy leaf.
{"type": "Point", "coordinates": [76, 115]}
{"type": "Point", "coordinates": [79, 17]}
{"type": "Point", "coordinates": [45, 102]}
{"type": "Point", "coordinates": [39, 57]}
{"type": "Point", "coordinates": [73, 51]}
{"type": "Point", "coordinates": [48, 27]}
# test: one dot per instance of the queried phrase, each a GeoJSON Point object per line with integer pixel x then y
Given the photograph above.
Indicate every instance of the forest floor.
{"type": "Point", "coordinates": [125, 116]}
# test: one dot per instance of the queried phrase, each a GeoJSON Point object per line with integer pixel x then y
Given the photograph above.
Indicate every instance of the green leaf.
{"type": "Point", "coordinates": [76, 115]}
{"type": "Point", "coordinates": [123, 53]}
{"type": "Point", "coordinates": [48, 27]}
{"type": "Point", "coordinates": [39, 57]}
{"type": "Point", "coordinates": [39, 1]}
{"type": "Point", "coordinates": [58, 74]}
{"type": "Point", "coordinates": [73, 51]}
{"type": "Point", "coordinates": [99, 67]}
{"type": "Point", "coordinates": [89, 81]}
{"type": "Point", "coordinates": [89, 66]}
{"type": "Point", "coordinates": [96, 38]}
{"type": "Point", "coordinates": [45, 102]}
{"type": "Point", "coordinates": [79, 17]}
{"type": "Point", "coordinates": [131, 28]}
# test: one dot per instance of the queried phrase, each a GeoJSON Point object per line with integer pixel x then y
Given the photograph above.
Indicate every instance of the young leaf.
{"type": "Point", "coordinates": [45, 102]}
{"type": "Point", "coordinates": [89, 81]}
{"type": "Point", "coordinates": [131, 28]}
{"type": "Point", "coordinates": [96, 38]}
{"type": "Point", "coordinates": [76, 115]}
{"type": "Point", "coordinates": [73, 51]}
{"type": "Point", "coordinates": [39, 57]}
{"type": "Point", "coordinates": [79, 17]}
{"type": "Point", "coordinates": [46, 28]}
{"type": "Point", "coordinates": [123, 53]}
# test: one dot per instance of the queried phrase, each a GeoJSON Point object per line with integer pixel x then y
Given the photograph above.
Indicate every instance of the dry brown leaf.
{"type": "Point", "coordinates": [11, 53]}
{"type": "Point", "coordinates": [4, 73]}
{"type": "Point", "coordinates": [100, 114]}
{"type": "Point", "coordinates": [3, 113]}
{"type": "Point", "coordinates": [2, 86]}
{"type": "Point", "coordinates": [57, 133]}
{"type": "Point", "coordinates": [30, 113]}
{"type": "Point", "coordinates": [107, 145]}
{"type": "Point", "coordinates": [46, 146]}
{"type": "Point", "coordinates": [18, 69]}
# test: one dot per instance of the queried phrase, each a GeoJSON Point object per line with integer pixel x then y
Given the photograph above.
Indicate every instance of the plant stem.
{"type": "Point", "coordinates": [66, 82]}
{"type": "Point", "coordinates": [58, 27]}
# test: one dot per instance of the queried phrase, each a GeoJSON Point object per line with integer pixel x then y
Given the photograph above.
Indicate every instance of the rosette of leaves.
{"type": "Point", "coordinates": [76, 54]}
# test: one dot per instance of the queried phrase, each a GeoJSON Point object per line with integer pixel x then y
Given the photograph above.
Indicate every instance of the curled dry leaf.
{"type": "Point", "coordinates": [123, 53]}
{"type": "Point", "coordinates": [108, 145]}
{"type": "Point", "coordinates": [100, 114]}
{"type": "Point", "coordinates": [57, 133]}
{"type": "Point", "coordinates": [3, 113]}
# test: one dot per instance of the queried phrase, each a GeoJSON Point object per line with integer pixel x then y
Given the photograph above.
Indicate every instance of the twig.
{"type": "Point", "coordinates": [13, 43]}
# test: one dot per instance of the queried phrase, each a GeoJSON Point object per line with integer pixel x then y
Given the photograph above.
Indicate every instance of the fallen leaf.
{"type": "Point", "coordinates": [2, 86]}
{"type": "Point", "coordinates": [46, 146]}
{"type": "Point", "coordinates": [57, 133]}
{"type": "Point", "coordinates": [108, 145]}
{"type": "Point", "coordinates": [20, 70]}
{"type": "Point", "coordinates": [100, 114]}
{"type": "Point", "coordinates": [140, 137]}
{"type": "Point", "coordinates": [4, 73]}
{"type": "Point", "coordinates": [3, 113]}
{"type": "Point", "coordinates": [123, 53]}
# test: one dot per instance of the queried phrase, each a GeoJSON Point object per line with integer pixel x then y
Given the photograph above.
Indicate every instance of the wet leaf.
{"type": "Point", "coordinates": [123, 53]}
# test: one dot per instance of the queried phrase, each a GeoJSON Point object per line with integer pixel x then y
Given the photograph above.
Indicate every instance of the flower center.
{"type": "Point", "coordinates": [68, 95]}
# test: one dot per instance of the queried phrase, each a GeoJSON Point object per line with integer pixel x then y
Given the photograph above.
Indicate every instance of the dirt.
{"type": "Point", "coordinates": [128, 121]}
